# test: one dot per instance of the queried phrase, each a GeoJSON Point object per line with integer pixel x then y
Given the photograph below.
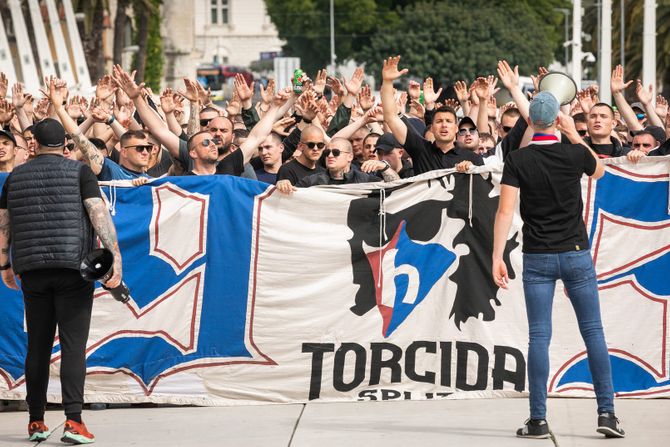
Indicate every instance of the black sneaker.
{"type": "Point", "coordinates": [534, 428]}
{"type": "Point", "coordinates": [608, 425]}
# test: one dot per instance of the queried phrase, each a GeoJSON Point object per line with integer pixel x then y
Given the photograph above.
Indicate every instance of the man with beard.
{"type": "Point", "coordinates": [232, 164]}
{"type": "Point", "coordinates": [204, 153]}
{"type": "Point", "coordinates": [426, 156]}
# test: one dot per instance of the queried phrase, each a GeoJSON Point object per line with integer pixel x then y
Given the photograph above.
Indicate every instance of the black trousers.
{"type": "Point", "coordinates": [56, 297]}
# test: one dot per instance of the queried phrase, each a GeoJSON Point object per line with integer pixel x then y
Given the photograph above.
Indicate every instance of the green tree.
{"type": "Point", "coordinates": [451, 41]}
{"type": "Point", "coordinates": [305, 26]}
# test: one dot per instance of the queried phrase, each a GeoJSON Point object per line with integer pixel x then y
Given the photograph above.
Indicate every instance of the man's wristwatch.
{"type": "Point", "coordinates": [111, 119]}
{"type": "Point", "coordinates": [386, 167]}
{"type": "Point", "coordinates": [6, 266]}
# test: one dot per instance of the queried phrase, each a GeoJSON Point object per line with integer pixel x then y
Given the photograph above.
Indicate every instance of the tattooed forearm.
{"type": "Point", "coordinates": [102, 223]}
{"type": "Point", "coordinates": [5, 236]}
{"type": "Point", "coordinates": [390, 175]}
{"type": "Point", "coordinates": [193, 119]}
{"type": "Point", "coordinates": [90, 152]}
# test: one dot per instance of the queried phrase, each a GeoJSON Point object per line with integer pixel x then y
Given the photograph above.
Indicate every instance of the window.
{"type": "Point", "coordinates": [219, 12]}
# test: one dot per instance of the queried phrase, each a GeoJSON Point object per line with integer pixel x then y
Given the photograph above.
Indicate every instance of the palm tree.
{"type": "Point", "coordinates": [633, 21]}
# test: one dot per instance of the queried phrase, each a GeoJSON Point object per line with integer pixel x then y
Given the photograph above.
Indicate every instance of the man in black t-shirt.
{"type": "Point", "coordinates": [426, 155]}
{"type": "Point", "coordinates": [548, 175]}
{"type": "Point", "coordinates": [306, 162]}
{"type": "Point", "coordinates": [600, 123]}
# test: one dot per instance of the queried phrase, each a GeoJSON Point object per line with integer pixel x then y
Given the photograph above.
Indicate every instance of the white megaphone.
{"type": "Point", "coordinates": [560, 85]}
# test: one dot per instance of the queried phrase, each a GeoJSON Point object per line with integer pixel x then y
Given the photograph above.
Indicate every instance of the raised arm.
{"type": "Point", "coordinates": [646, 97]}
{"type": "Point", "coordinates": [510, 79]}
{"type": "Point", "coordinates": [263, 128]}
{"type": "Point", "coordinates": [19, 99]}
{"type": "Point", "coordinates": [57, 92]}
{"type": "Point", "coordinates": [104, 228]}
{"type": "Point", "coordinates": [390, 73]}
{"type": "Point", "coordinates": [168, 105]}
{"type": "Point", "coordinates": [618, 86]}
{"type": "Point", "coordinates": [155, 125]}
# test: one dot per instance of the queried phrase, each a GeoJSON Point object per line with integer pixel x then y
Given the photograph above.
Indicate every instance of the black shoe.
{"type": "Point", "coordinates": [534, 428]}
{"type": "Point", "coordinates": [608, 425]}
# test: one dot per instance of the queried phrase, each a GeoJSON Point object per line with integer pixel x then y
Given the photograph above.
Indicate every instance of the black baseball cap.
{"type": "Point", "coordinates": [49, 133]}
{"type": "Point", "coordinates": [9, 135]}
{"type": "Point", "coordinates": [386, 143]}
{"type": "Point", "coordinates": [466, 120]}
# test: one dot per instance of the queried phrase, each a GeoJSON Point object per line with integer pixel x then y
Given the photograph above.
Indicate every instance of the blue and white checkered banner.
{"type": "Point", "coordinates": [365, 292]}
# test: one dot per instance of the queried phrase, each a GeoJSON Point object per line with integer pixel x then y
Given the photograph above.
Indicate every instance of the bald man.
{"type": "Point", "coordinates": [306, 162]}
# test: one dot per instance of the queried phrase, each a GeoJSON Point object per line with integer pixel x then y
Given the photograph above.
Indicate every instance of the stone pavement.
{"type": "Point", "coordinates": [471, 423]}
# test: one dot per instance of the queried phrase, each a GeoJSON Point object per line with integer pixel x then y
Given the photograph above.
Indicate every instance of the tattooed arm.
{"type": "Point", "coordinates": [193, 118]}
{"type": "Point", "coordinates": [5, 239]}
{"type": "Point", "coordinates": [91, 155]}
{"type": "Point", "coordinates": [104, 228]}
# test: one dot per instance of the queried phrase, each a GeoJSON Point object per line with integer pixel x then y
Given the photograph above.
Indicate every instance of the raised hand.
{"type": "Point", "coordinates": [234, 106]}
{"type": "Point", "coordinates": [390, 70]}
{"type": "Point", "coordinates": [19, 98]}
{"type": "Point", "coordinates": [365, 98]}
{"type": "Point", "coordinates": [105, 88]}
{"type": "Point", "coordinates": [167, 101]}
{"type": "Point", "coordinates": [55, 91]}
{"type": "Point", "coordinates": [481, 89]}
{"type": "Point", "coordinates": [509, 77]}
{"type": "Point", "coordinates": [121, 98]}
{"type": "Point", "coordinates": [414, 90]}
{"type": "Point", "coordinates": [474, 99]}
{"type": "Point", "coordinates": [585, 100]}
{"type": "Point", "coordinates": [268, 93]}
{"type": "Point", "coordinates": [401, 101]}
{"type": "Point", "coordinates": [450, 102]}
{"type": "Point", "coordinates": [126, 82]}
{"type": "Point", "coordinates": [6, 112]}
{"type": "Point", "coordinates": [417, 109]}
{"type": "Point", "coordinates": [4, 84]}
{"type": "Point", "coordinates": [74, 107]}
{"type": "Point", "coordinates": [429, 93]}
{"type": "Point", "coordinates": [661, 107]}
{"type": "Point", "coordinates": [280, 126]}
{"type": "Point", "coordinates": [461, 89]}
{"type": "Point", "coordinates": [307, 107]}
{"type": "Point", "coordinates": [374, 115]}
{"type": "Point", "coordinates": [320, 81]}
{"type": "Point", "coordinates": [282, 96]}
{"type": "Point", "coordinates": [99, 112]}
{"type": "Point", "coordinates": [645, 96]}
{"type": "Point", "coordinates": [244, 91]}
{"type": "Point", "coordinates": [336, 86]}
{"type": "Point", "coordinates": [354, 84]}
{"type": "Point", "coordinates": [191, 93]}
{"type": "Point", "coordinates": [541, 72]}
{"type": "Point", "coordinates": [617, 83]}
{"type": "Point", "coordinates": [41, 109]}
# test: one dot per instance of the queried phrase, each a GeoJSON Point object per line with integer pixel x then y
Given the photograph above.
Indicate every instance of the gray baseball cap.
{"type": "Point", "coordinates": [544, 109]}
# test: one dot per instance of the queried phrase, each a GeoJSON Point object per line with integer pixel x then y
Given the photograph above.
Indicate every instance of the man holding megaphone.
{"type": "Point", "coordinates": [50, 211]}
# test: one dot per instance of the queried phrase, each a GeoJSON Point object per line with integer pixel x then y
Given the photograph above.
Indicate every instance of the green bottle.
{"type": "Point", "coordinates": [298, 75]}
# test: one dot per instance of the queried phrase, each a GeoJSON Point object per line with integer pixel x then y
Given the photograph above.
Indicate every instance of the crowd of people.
{"type": "Point", "coordinates": [320, 131]}
{"type": "Point", "coordinates": [324, 131]}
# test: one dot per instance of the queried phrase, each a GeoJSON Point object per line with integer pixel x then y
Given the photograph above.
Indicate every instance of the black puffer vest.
{"type": "Point", "coordinates": [49, 225]}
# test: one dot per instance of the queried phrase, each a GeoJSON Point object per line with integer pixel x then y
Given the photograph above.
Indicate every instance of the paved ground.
{"type": "Point", "coordinates": [471, 423]}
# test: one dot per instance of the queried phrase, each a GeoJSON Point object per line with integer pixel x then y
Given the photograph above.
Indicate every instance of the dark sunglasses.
{"type": "Point", "coordinates": [336, 152]}
{"type": "Point", "coordinates": [312, 145]}
{"type": "Point", "coordinates": [141, 148]}
{"type": "Point", "coordinates": [206, 142]}
{"type": "Point", "coordinates": [466, 131]}
{"type": "Point", "coordinates": [506, 128]}
{"type": "Point", "coordinates": [69, 147]}
{"type": "Point", "coordinates": [204, 123]}
{"type": "Point", "coordinates": [582, 132]}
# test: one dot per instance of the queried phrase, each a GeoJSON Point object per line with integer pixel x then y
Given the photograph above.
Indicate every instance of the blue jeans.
{"type": "Point", "coordinates": [575, 269]}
